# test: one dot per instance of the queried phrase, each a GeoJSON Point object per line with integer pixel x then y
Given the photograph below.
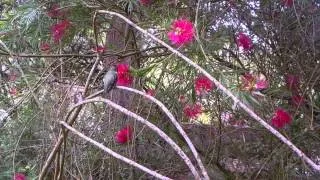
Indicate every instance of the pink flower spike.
{"type": "Point", "coordinates": [145, 2]}
{"type": "Point", "coordinates": [124, 76]}
{"type": "Point", "coordinates": [203, 85]}
{"type": "Point", "coordinates": [13, 91]}
{"type": "Point", "coordinates": [99, 49]}
{"type": "Point", "coordinates": [247, 81]}
{"type": "Point", "coordinates": [19, 176]}
{"type": "Point", "coordinates": [44, 47]}
{"type": "Point", "coordinates": [244, 41]}
{"type": "Point", "coordinates": [261, 83]}
{"type": "Point", "coordinates": [192, 111]}
{"type": "Point", "coordinates": [182, 32]}
{"type": "Point", "coordinates": [182, 99]}
{"type": "Point", "coordinates": [281, 118]}
{"type": "Point", "coordinates": [58, 30]}
{"type": "Point", "coordinates": [287, 3]}
{"type": "Point", "coordinates": [124, 135]}
{"type": "Point", "coordinates": [151, 92]}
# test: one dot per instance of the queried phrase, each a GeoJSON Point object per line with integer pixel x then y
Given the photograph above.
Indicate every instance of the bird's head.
{"type": "Point", "coordinates": [113, 68]}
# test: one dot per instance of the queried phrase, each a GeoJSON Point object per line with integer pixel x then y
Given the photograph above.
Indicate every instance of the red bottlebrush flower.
{"type": "Point", "coordinates": [59, 29]}
{"type": "Point", "coordinates": [13, 91]}
{"type": "Point", "coordinates": [252, 82]}
{"type": "Point", "coordinates": [261, 82]}
{"type": "Point", "coordinates": [203, 85]}
{"type": "Point", "coordinates": [192, 111]}
{"type": "Point", "coordinates": [19, 176]}
{"type": "Point", "coordinates": [99, 49]}
{"type": "Point", "coordinates": [247, 81]}
{"type": "Point", "coordinates": [55, 11]}
{"type": "Point", "coordinates": [124, 135]}
{"type": "Point", "coordinates": [281, 118]}
{"type": "Point", "coordinates": [151, 92]}
{"type": "Point", "coordinates": [182, 99]}
{"type": "Point", "coordinates": [145, 2]}
{"type": "Point", "coordinates": [44, 47]}
{"type": "Point", "coordinates": [181, 32]}
{"type": "Point", "coordinates": [287, 3]}
{"type": "Point", "coordinates": [244, 41]}
{"type": "Point", "coordinates": [124, 76]}
{"type": "Point", "coordinates": [292, 82]}
{"type": "Point", "coordinates": [297, 100]}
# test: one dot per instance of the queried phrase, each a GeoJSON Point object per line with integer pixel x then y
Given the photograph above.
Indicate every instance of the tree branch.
{"type": "Point", "coordinates": [114, 154]}
{"type": "Point", "coordinates": [224, 90]}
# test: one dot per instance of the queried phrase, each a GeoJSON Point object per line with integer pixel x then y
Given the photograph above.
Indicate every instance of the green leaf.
{"type": "Point", "coordinates": [142, 72]}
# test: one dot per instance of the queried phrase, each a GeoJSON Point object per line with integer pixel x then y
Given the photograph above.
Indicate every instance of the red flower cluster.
{"type": "Point", "coordinates": [59, 29]}
{"type": "Point", "coordinates": [244, 41]}
{"type": "Point", "coordinates": [124, 135]}
{"type": "Point", "coordinates": [19, 176]}
{"type": "Point", "coordinates": [44, 47]}
{"type": "Point", "coordinates": [124, 76]}
{"type": "Point", "coordinates": [145, 2]}
{"type": "Point", "coordinates": [287, 3]}
{"type": "Point", "coordinates": [203, 85]}
{"type": "Point", "coordinates": [192, 111]}
{"type": "Point", "coordinates": [181, 32]}
{"type": "Point", "coordinates": [182, 99]}
{"type": "Point", "coordinates": [293, 84]}
{"type": "Point", "coordinates": [55, 11]}
{"type": "Point", "coordinates": [99, 49]}
{"type": "Point", "coordinates": [281, 118]}
{"type": "Point", "coordinates": [13, 91]}
{"type": "Point", "coordinates": [250, 82]}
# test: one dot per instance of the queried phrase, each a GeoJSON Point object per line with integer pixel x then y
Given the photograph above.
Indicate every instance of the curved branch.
{"type": "Point", "coordinates": [114, 154]}
{"type": "Point", "coordinates": [224, 90]}
{"type": "Point", "coordinates": [175, 123]}
{"type": "Point", "coordinates": [147, 123]}
{"type": "Point", "coordinates": [129, 113]}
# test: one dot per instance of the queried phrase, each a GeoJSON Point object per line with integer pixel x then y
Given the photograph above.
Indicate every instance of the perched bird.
{"type": "Point", "coordinates": [110, 79]}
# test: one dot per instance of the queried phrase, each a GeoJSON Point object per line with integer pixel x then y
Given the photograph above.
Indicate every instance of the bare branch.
{"type": "Point", "coordinates": [224, 90]}
{"type": "Point", "coordinates": [184, 157]}
{"type": "Point", "coordinates": [175, 123]}
{"type": "Point", "coordinates": [114, 154]}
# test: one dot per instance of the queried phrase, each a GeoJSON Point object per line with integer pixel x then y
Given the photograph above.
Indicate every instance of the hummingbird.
{"type": "Point", "coordinates": [110, 79]}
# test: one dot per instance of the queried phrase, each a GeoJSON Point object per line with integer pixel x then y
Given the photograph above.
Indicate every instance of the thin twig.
{"type": "Point", "coordinates": [224, 90]}
{"type": "Point", "coordinates": [114, 154]}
